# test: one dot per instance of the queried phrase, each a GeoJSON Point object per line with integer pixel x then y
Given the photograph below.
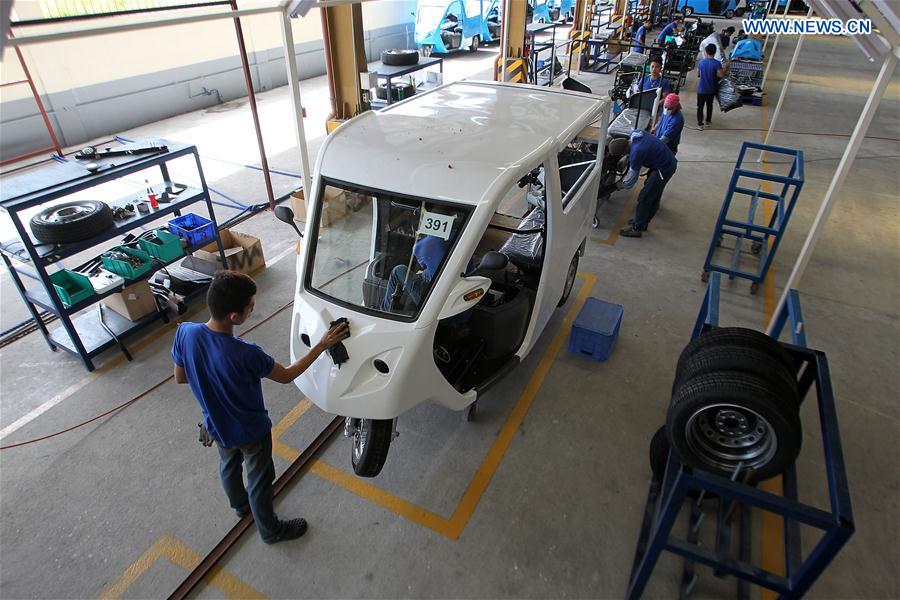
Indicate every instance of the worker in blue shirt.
{"type": "Point", "coordinates": [654, 79]}
{"type": "Point", "coordinates": [429, 252]}
{"type": "Point", "coordinates": [670, 125]}
{"type": "Point", "coordinates": [644, 150]}
{"type": "Point", "coordinates": [670, 29]}
{"type": "Point", "coordinates": [225, 373]}
{"type": "Point", "coordinates": [709, 72]}
{"type": "Point", "coordinates": [640, 37]}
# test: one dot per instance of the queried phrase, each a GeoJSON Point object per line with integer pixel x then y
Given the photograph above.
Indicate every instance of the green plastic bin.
{"type": "Point", "coordinates": [167, 249]}
{"type": "Point", "coordinates": [125, 269]}
{"type": "Point", "coordinates": [71, 287]}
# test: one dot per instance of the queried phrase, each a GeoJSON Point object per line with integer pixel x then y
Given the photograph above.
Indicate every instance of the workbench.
{"type": "Point", "coordinates": [80, 331]}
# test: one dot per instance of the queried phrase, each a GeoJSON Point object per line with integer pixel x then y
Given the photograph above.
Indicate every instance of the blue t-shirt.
{"type": "Point", "coordinates": [225, 374]}
{"type": "Point", "coordinates": [430, 252]}
{"type": "Point", "coordinates": [648, 151]}
{"type": "Point", "coordinates": [639, 39]}
{"type": "Point", "coordinates": [670, 127]}
{"type": "Point", "coordinates": [709, 78]}
{"type": "Point", "coordinates": [666, 31]}
{"type": "Point", "coordinates": [652, 84]}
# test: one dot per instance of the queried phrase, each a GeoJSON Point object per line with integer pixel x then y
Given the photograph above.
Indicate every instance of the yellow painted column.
{"type": "Point", "coordinates": [345, 59]}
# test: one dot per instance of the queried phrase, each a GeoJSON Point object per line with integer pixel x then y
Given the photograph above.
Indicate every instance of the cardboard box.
{"type": "Point", "coordinates": [134, 302]}
{"type": "Point", "coordinates": [243, 252]}
{"type": "Point", "coordinates": [338, 204]}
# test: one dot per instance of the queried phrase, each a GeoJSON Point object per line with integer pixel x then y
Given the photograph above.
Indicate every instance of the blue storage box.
{"type": "Point", "coordinates": [193, 228]}
{"type": "Point", "coordinates": [595, 329]}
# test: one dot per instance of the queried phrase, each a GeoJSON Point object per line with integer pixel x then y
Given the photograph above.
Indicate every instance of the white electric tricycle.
{"type": "Point", "coordinates": [447, 229]}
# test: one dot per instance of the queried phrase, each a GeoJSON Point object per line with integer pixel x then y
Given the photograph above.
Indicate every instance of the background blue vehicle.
{"type": "Point", "coordinates": [561, 9]}
{"type": "Point", "coordinates": [541, 12]}
{"type": "Point", "coordinates": [445, 26]}
{"type": "Point", "coordinates": [717, 8]}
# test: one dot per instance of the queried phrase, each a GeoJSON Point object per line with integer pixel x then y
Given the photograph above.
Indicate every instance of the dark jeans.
{"type": "Point", "coordinates": [413, 290]}
{"type": "Point", "coordinates": [707, 101]}
{"type": "Point", "coordinates": [257, 496]}
{"type": "Point", "coordinates": [648, 199]}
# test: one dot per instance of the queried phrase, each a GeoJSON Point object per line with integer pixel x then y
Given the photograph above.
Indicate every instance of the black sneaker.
{"type": "Point", "coordinates": [631, 232]}
{"type": "Point", "coordinates": [242, 512]}
{"type": "Point", "coordinates": [290, 530]}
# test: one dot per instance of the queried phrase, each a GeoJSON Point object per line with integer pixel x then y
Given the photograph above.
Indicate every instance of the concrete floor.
{"type": "Point", "coordinates": [542, 495]}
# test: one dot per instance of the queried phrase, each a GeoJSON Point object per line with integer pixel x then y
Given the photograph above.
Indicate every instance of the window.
{"type": "Point", "coordinates": [380, 252]}
{"type": "Point", "coordinates": [576, 163]}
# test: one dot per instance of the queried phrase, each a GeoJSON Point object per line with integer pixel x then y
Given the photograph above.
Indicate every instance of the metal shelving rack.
{"type": "Point", "coordinates": [83, 334]}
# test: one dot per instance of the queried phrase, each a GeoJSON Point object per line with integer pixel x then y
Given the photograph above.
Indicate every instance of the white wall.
{"type": "Point", "coordinates": [101, 84]}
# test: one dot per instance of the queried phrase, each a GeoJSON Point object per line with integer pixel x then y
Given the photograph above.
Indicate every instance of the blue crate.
{"type": "Point", "coordinates": [595, 329]}
{"type": "Point", "coordinates": [193, 228]}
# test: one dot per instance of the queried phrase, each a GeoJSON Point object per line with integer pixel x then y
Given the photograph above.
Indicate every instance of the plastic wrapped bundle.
{"type": "Point", "coordinates": [728, 96]}
{"type": "Point", "coordinates": [526, 250]}
{"type": "Point", "coordinates": [627, 121]}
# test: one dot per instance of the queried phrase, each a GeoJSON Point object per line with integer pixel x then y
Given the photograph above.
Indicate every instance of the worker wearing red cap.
{"type": "Point", "coordinates": [668, 128]}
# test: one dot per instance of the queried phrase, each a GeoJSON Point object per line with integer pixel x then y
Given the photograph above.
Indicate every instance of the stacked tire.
{"type": "Point", "coordinates": [735, 406]}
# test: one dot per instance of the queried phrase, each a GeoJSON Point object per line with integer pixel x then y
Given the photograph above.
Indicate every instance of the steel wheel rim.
{"type": "Point", "coordinates": [359, 439]}
{"type": "Point", "coordinates": [723, 435]}
{"type": "Point", "coordinates": [67, 214]}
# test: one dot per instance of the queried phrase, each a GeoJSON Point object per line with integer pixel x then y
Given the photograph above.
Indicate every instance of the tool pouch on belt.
{"type": "Point", "coordinates": [205, 438]}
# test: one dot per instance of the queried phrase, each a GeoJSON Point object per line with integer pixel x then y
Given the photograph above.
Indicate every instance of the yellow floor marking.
{"type": "Point", "coordinates": [186, 558]}
{"type": "Point", "coordinates": [452, 527]}
{"type": "Point", "coordinates": [283, 425]}
{"type": "Point", "coordinates": [771, 540]}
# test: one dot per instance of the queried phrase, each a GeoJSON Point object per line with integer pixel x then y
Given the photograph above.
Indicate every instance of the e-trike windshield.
{"type": "Point", "coordinates": [381, 252]}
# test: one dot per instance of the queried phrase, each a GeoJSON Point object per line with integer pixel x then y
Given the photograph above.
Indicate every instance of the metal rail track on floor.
{"type": "Point", "coordinates": [220, 549]}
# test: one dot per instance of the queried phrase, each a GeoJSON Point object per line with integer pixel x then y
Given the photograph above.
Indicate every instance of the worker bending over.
{"type": "Point", "coordinates": [670, 29]}
{"type": "Point", "coordinates": [644, 150]}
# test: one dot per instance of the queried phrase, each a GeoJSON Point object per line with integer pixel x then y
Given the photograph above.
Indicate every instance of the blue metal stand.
{"type": "Point", "coordinates": [764, 239]}
{"type": "Point", "coordinates": [666, 498]}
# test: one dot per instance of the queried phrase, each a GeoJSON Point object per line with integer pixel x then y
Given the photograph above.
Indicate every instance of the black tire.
{"type": "Point", "coordinates": [739, 12]}
{"type": "Point", "coordinates": [742, 359]}
{"type": "Point", "coordinates": [659, 453]}
{"type": "Point", "coordinates": [688, 11]}
{"type": "Point", "coordinates": [398, 92]}
{"type": "Point", "coordinates": [427, 50]}
{"type": "Point", "coordinates": [476, 41]}
{"type": "Point", "coordinates": [718, 420]}
{"type": "Point", "coordinates": [729, 14]}
{"type": "Point", "coordinates": [370, 446]}
{"type": "Point", "coordinates": [72, 222]}
{"type": "Point", "coordinates": [739, 337]}
{"type": "Point", "coordinates": [570, 280]}
{"type": "Point", "coordinates": [400, 57]}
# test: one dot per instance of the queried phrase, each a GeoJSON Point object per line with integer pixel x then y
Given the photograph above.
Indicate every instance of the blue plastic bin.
{"type": "Point", "coordinates": [193, 228]}
{"type": "Point", "coordinates": [596, 328]}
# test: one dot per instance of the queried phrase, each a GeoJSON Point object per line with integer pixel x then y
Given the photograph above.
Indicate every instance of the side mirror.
{"type": "Point", "coordinates": [284, 213]}
{"type": "Point", "coordinates": [493, 261]}
{"type": "Point", "coordinates": [467, 292]}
